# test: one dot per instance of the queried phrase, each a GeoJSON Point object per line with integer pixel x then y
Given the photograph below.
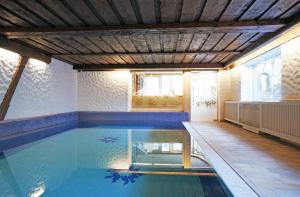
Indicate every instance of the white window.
{"type": "Point", "coordinates": [261, 78]}
{"type": "Point", "coordinates": [158, 84]}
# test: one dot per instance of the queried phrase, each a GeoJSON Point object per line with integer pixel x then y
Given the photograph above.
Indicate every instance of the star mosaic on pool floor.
{"type": "Point", "coordinates": [108, 139]}
{"type": "Point", "coordinates": [126, 178]}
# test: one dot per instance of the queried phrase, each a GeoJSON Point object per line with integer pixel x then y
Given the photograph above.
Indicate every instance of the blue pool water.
{"type": "Point", "coordinates": [108, 161]}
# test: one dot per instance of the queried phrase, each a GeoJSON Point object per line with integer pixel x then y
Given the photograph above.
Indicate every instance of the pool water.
{"type": "Point", "coordinates": [109, 161]}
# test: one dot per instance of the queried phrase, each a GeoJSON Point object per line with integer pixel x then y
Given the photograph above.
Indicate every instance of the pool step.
{"type": "Point", "coordinates": [191, 173]}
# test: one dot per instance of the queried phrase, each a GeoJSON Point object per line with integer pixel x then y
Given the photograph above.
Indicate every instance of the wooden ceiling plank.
{"type": "Point", "coordinates": [168, 10]}
{"type": "Point", "coordinates": [38, 45]}
{"type": "Point", "coordinates": [147, 10]}
{"type": "Point", "coordinates": [78, 59]}
{"type": "Point", "coordinates": [76, 45]}
{"type": "Point", "coordinates": [280, 7]}
{"type": "Point", "coordinates": [92, 60]}
{"type": "Point", "coordinates": [225, 41]}
{"type": "Point", "coordinates": [65, 45]}
{"type": "Point", "coordinates": [113, 43]}
{"type": "Point", "coordinates": [211, 41]}
{"type": "Point", "coordinates": [102, 61]}
{"type": "Point", "coordinates": [5, 23]}
{"type": "Point", "coordinates": [153, 41]}
{"type": "Point", "coordinates": [251, 41]}
{"type": "Point", "coordinates": [101, 44]}
{"type": "Point", "coordinates": [23, 50]}
{"type": "Point", "coordinates": [140, 43]}
{"type": "Point", "coordinates": [208, 58]}
{"type": "Point", "coordinates": [126, 43]}
{"type": "Point", "coordinates": [69, 60]}
{"type": "Point", "coordinates": [147, 59]}
{"type": "Point", "coordinates": [127, 59]}
{"type": "Point", "coordinates": [41, 11]}
{"type": "Point", "coordinates": [13, 18]}
{"type": "Point", "coordinates": [293, 11]}
{"type": "Point", "coordinates": [50, 45]}
{"type": "Point", "coordinates": [257, 9]}
{"type": "Point", "coordinates": [189, 58]}
{"type": "Point", "coordinates": [18, 10]}
{"type": "Point", "coordinates": [84, 12]}
{"type": "Point", "coordinates": [235, 9]}
{"type": "Point", "coordinates": [104, 10]}
{"type": "Point", "coordinates": [109, 60]}
{"type": "Point", "coordinates": [119, 60]}
{"type": "Point", "coordinates": [219, 58]}
{"type": "Point", "coordinates": [62, 12]}
{"type": "Point", "coordinates": [197, 42]}
{"type": "Point", "coordinates": [168, 59]}
{"type": "Point", "coordinates": [126, 11]}
{"type": "Point", "coordinates": [137, 58]}
{"type": "Point", "coordinates": [169, 41]}
{"type": "Point", "coordinates": [88, 44]}
{"type": "Point", "coordinates": [243, 38]}
{"type": "Point", "coordinates": [178, 58]}
{"type": "Point", "coordinates": [199, 58]}
{"type": "Point", "coordinates": [191, 10]}
{"type": "Point", "coordinates": [183, 42]}
{"type": "Point", "coordinates": [148, 66]}
{"type": "Point", "coordinates": [213, 9]}
{"type": "Point", "coordinates": [227, 58]}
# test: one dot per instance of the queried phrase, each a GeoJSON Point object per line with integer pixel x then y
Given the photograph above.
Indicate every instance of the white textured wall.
{"type": "Point", "coordinates": [8, 61]}
{"type": "Point", "coordinates": [104, 91]}
{"type": "Point", "coordinates": [291, 69]}
{"type": "Point", "coordinates": [229, 88]}
{"type": "Point", "coordinates": [44, 89]}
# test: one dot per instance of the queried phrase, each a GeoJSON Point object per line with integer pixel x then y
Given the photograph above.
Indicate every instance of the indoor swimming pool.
{"type": "Point", "coordinates": [110, 161]}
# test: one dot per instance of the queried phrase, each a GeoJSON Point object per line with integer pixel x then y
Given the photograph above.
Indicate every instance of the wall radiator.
{"type": "Point", "coordinates": [281, 119]}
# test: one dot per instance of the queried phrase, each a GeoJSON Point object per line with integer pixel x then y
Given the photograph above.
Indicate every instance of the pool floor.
{"type": "Point", "coordinates": [87, 162]}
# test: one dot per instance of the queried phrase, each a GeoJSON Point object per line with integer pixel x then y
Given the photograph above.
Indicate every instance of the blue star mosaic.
{"type": "Point", "coordinates": [108, 139]}
{"type": "Point", "coordinates": [115, 176]}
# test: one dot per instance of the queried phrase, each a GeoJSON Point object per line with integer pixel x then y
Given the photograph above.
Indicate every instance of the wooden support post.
{"type": "Point", "coordinates": [12, 86]}
{"type": "Point", "coordinates": [187, 92]}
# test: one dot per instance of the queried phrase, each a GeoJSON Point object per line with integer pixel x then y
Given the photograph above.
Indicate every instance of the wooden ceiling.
{"type": "Point", "coordinates": [111, 34]}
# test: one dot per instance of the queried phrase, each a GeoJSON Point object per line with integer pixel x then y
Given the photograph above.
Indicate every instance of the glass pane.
{"type": "Point", "coordinates": [261, 78]}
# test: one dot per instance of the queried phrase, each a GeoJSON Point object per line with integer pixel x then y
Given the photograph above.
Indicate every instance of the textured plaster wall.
{"type": "Point", "coordinates": [44, 89]}
{"type": "Point", "coordinates": [291, 69]}
{"type": "Point", "coordinates": [229, 88]}
{"type": "Point", "coordinates": [8, 61]}
{"type": "Point", "coordinates": [104, 91]}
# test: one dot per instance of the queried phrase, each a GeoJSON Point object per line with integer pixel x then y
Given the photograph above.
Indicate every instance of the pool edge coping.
{"type": "Point", "coordinates": [233, 181]}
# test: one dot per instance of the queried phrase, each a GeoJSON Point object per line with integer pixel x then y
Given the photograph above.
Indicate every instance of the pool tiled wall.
{"type": "Point", "coordinates": [21, 131]}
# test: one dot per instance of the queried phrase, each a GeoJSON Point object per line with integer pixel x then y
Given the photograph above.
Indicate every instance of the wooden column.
{"type": "Point", "coordinates": [187, 92]}
{"type": "Point", "coordinates": [12, 86]}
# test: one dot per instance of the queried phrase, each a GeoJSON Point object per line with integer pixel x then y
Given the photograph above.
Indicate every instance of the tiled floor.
{"type": "Point", "coordinates": [271, 167]}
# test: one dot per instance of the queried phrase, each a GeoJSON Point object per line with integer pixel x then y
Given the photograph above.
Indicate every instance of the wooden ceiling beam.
{"type": "Point", "coordinates": [107, 67]}
{"type": "Point", "coordinates": [150, 53]}
{"type": "Point", "coordinates": [194, 27]}
{"type": "Point", "coordinates": [23, 50]}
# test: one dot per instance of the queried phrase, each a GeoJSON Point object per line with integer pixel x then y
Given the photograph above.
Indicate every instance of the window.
{"type": "Point", "coordinates": [261, 77]}
{"type": "Point", "coordinates": [158, 84]}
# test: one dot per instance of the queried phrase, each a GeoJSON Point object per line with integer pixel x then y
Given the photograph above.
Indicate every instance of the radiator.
{"type": "Point", "coordinates": [249, 116]}
{"type": "Point", "coordinates": [232, 111]}
{"type": "Point", "coordinates": [281, 119]}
